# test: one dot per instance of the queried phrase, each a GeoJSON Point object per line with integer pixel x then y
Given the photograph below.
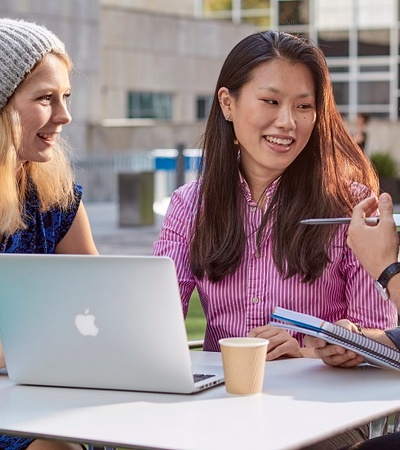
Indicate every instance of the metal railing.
{"type": "Point", "coordinates": [98, 174]}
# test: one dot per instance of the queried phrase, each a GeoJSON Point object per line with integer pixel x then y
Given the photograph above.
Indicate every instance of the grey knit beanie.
{"type": "Point", "coordinates": [22, 45]}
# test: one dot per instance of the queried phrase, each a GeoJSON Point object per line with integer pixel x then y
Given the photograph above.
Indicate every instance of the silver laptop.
{"type": "Point", "coordinates": [105, 322]}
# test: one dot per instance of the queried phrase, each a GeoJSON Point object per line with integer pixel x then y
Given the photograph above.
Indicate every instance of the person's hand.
{"type": "Point", "coordinates": [335, 355]}
{"type": "Point", "coordinates": [281, 343]}
{"type": "Point", "coordinates": [376, 246]}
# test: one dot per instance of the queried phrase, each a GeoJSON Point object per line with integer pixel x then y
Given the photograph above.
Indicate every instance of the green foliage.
{"type": "Point", "coordinates": [195, 320]}
{"type": "Point", "coordinates": [384, 164]}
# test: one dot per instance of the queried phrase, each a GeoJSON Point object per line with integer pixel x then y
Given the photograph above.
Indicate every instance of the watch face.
{"type": "Point", "coordinates": [382, 291]}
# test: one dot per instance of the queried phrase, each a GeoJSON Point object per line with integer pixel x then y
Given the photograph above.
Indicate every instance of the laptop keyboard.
{"type": "Point", "coordinates": [201, 376]}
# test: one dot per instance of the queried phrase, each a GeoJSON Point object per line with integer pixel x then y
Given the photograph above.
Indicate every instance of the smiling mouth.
{"type": "Point", "coordinates": [46, 137]}
{"type": "Point", "coordinates": [279, 141]}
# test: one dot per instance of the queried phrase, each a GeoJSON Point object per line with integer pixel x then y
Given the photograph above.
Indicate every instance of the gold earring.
{"type": "Point", "coordinates": [228, 118]}
{"type": "Point", "coordinates": [236, 142]}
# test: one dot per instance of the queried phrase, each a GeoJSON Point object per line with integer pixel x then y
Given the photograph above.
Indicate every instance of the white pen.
{"type": "Point", "coordinates": [341, 220]}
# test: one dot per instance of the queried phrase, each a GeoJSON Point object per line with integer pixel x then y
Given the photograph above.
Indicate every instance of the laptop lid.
{"type": "Point", "coordinates": [109, 322]}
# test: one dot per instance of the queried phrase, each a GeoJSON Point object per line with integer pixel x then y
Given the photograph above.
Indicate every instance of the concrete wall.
{"type": "Point", "coordinates": [122, 45]}
{"type": "Point", "coordinates": [181, 7]}
{"type": "Point", "coordinates": [121, 136]}
{"type": "Point", "coordinates": [156, 52]}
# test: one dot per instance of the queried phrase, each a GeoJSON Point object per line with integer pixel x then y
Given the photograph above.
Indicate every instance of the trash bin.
{"type": "Point", "coordinates": [136, 197]}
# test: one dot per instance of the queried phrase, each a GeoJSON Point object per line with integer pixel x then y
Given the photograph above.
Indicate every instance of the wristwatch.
{"type": "Point", "coordinates": [383, 280]}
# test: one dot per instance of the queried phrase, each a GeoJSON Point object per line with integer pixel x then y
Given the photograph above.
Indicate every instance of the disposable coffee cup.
{"type": "Point", "coordinates": [243, 360]}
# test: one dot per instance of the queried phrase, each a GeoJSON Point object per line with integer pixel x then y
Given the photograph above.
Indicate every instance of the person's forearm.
{"type": "Point", "coordinates": [378, 335]}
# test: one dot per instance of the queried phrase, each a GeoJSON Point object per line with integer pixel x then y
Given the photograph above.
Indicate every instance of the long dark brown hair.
{"type": "Point", "coordinates": [318, 183]}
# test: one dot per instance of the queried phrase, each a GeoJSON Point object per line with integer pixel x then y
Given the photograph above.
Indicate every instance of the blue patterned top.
{"type": "Point", "coordinates": [44, 231]}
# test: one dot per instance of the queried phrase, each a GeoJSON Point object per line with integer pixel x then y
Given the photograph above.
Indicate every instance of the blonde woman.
{"type": "Point", "coordinates": [40, 204]}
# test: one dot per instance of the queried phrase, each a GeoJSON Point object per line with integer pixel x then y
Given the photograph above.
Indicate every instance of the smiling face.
{"type": "Point", "coordinates": [41, 102]}
{"type": "Point", "coordinates": [273, 118]}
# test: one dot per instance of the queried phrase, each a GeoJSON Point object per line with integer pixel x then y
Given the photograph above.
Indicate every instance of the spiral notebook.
{"type": "Point", "coordinates": [374, 352]}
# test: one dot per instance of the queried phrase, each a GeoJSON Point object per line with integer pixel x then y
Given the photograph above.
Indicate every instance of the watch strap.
{"type": "Point", "coordinates": [388, 273]}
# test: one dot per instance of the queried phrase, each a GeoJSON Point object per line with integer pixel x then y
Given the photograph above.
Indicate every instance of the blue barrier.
{"type": "Point", "coordinates": [165, 166]}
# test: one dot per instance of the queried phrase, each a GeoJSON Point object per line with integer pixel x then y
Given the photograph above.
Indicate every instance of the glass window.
{"type": "Point", "coordinates": [217, 5]}
{"type": "Point", "coordinates": [293, 12]}
{"type": "Point", "coordinates": [376, 13]}
{"type": "Point", "coordinates": [373, 92]}
{"type": "Point", "coordinates": [398, 37]}
{"type": "Point", "coordinates": [334, 43]}
{"type": "Point", "coordinates": [398, 76]}
{"type": "Point", "coordinates": [373, 42]}
{"type": "Point", "coordinates": [341, 92]}
{"type": "Point", "coordinates": [150, 105]}
{"type": "Point", "coordinates": [398, 10]}
{"type": "Point", "coordinates": [366, 69]}
{"type": "Point", "coordinates": [380, 115]}
{"type": "Point", "coordinates": [203, 104]}
{"type": "Point", "coordinates": [255, 4]}
{"type": "Point", "coordinates": [338, 69]}
{"type": "Point", "coordinates": [333, 15]}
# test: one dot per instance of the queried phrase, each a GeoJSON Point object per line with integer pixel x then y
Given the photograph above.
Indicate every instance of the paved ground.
{"type": "Point", "coordinates": [111, 239]}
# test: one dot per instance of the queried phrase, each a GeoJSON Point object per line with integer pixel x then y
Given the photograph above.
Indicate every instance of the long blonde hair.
{"type": "Point", "coordinates": [53, 180]}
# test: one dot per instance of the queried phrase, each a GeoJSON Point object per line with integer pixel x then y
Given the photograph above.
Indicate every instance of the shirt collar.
{"type": "Point", "coordinates": [269, 191]}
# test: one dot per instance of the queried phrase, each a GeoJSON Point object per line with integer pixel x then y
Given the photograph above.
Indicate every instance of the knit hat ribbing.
{"type": "Point", "coordinates": [22, 45]}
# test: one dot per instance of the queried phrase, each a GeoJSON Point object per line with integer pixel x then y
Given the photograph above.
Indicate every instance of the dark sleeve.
{"type": "Point", "coordinates": [394, 335]}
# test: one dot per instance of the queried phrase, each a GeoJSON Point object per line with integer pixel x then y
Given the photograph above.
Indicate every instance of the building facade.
{"type": "Point", "coordinates": [146, 69]}
{"type": "Point", "coordinates": [158, 74]}
{"type": "Point", "coordinates": [360, 39]}
{"type": "Point", "coordinates": [361, 42]}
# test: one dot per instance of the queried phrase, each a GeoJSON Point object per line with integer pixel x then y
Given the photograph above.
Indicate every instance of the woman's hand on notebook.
{"type": "Point", "coordinates": [281, 343]}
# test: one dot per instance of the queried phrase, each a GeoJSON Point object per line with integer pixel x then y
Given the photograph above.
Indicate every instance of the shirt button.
{"type": "Point", "coordinates": [256, 300]}
{"type": "Point", "coordinates": [257, 254]}
{"type": "Point", "coordinates": [253, 208]}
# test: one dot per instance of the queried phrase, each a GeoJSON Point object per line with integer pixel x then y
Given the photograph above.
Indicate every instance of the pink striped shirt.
{"type": "Point", "coordinates": [245, 299]}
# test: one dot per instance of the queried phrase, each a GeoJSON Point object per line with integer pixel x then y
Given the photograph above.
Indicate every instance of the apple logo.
{"type": "Point", "coordinates": [85, 324]}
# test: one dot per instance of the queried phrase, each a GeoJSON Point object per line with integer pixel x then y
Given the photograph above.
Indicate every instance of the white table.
{"type": "Point", "coordinates": [303, 401]}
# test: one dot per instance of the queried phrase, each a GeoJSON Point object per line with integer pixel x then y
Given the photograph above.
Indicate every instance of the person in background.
{"type": "Point", "coordinates": [41, 209]}
{"type": "Point", "coordinates": [360, 132]}
{"type": "Point", "coordinates": [275, 151]}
